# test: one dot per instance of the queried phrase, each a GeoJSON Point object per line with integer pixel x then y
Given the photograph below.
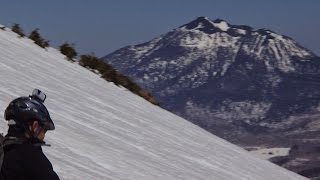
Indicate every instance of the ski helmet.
{"type": "Point", "coordinates": [24, 110]}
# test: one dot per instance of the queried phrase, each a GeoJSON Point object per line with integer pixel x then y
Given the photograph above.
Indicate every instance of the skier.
{"type": "Point", "coordinates": [28, 121]}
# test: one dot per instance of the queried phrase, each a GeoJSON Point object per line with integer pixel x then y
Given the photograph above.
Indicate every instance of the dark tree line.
{"type": "Point", "coordinates": [91, 62]}
{"type": "Point", "coordinates": [111, 74]}
{"type": "Point", "coordinates": [34, 35]}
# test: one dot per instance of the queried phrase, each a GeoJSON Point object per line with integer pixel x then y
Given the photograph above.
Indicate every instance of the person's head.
{"type": "Point", "coordinates": [36, 130]}
{"type": "Point", "coordinates": [27, 116]}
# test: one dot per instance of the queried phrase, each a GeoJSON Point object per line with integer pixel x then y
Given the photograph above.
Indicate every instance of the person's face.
{"type": "Point", "coordinates": [35, 126]}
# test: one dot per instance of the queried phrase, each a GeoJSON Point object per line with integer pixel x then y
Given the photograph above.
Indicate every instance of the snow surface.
{"type": "Point", "coordinates": [232, 110]}
{"type": "Point", "coordinates": [106, 132]}
{"type": "Point", "coordinates": [203, 40]}
{"type": "Point", "coordinates": [222, 25]}
{"type": "Point", "coordinates": [242, 31]}
{"type": "Point", "coordinates": [267, 153]}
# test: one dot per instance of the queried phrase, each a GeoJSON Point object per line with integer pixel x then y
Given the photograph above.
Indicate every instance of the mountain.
{"type": "Point", "coordinates": [105, 132]}
{"type": "Point", "coordinates": [251, 87]}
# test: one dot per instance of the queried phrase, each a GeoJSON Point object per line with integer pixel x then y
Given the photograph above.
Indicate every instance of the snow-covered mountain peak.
{"type": "Point", "coordinates": [266, 45]}
{"type": "Point", "coordinates": [202, 50]}
{"type": "Point", "coordinates": [212, 29]}
{"type": "Point", "coordinates": [217, 43]}
{"type": "Point", "coordinates": [206, 25]}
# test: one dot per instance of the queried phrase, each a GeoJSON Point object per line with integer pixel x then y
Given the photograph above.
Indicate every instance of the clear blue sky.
{"type": "Point", "coordinates": [102, 26]}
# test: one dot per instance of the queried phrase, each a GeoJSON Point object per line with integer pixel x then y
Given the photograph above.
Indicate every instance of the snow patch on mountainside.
{"type": "Point", "coordinates": [241, 31]}
{"type": "Point", "coordinates": [145, 50]}
{"type": "Point", "coordinates": [203, 40]}
{"type": "Point", "coordinates": [222, 25]}
{"type": "Point", "coordinates": [232, 110]}
{"type": "Point", "coordinates": [267, 153]}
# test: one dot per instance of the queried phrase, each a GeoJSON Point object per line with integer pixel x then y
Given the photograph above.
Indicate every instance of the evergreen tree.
{"type": "Point", "coordinates": [17, 29]}
{"type": "Point", "coordinates": [68, 50]}
{"type": "Point", "coordinates": [35, 36]}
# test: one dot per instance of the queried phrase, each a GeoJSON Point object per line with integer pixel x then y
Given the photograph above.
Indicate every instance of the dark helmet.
{"type": "Point", "coordinates": [24, 110]}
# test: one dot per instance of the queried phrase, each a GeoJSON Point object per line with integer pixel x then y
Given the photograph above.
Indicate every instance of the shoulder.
{"type": "Point", "coordinates": [25, 148]}
{"type": "Point", "coordinates": [33, 153]}
{"type": "Point", "coordinates": [28, 159]}
{"type": "Point", "coordinates": [22, 152]}
{"type": "Point", "coordinates": [36, 164]}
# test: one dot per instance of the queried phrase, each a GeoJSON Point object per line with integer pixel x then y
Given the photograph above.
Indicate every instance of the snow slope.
{"type": "Point", "coordinates": [106, 132]}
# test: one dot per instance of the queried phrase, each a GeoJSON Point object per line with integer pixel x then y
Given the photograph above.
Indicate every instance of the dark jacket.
{"type": "Point", "coordinates": [26, 161]}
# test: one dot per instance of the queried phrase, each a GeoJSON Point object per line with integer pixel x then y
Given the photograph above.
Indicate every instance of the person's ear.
{"type": "Point", "coordinates": [35, 126]}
